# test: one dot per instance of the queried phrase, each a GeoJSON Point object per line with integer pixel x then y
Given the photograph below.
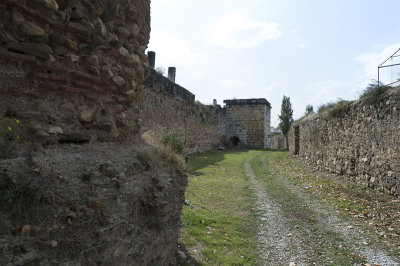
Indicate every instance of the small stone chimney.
{"type": "Point", "coordinates": [171, 73]}
{"type": "Point", "coordinates": [151, 59]}
{"type": "Point", "coordinates": [215, 102]}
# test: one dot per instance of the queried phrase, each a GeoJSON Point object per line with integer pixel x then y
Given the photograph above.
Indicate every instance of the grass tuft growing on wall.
{"type": "Point", "coordinates": [374, 93]}
{"type": "Point", "coordinates": [337, 110]}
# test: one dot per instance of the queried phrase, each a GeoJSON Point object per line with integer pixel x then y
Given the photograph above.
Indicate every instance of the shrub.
{"type": "Point", "coordinates": [165, 139]}
{"type": "Point", "coordinates": [337, 110]}
{"type": "Point", "coordinates": [173, 142]}
{"type": "Point", "coordinates": [374, 92]}
{"type": "Point", "coordinates": [309, 110]}
{"type": "Point", "coordinates": [325, 107]}
{"type": "Point", "coordinates": [176, 145]}
{"type": "Point", "coordinates": [144, 158]}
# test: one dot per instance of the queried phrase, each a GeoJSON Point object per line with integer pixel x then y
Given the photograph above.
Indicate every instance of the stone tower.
{"type": "Point", "coordinates": [248, 121]}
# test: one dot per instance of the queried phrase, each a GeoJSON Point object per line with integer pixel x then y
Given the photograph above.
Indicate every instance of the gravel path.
{"type": "Point", "coordinates": [328, 217]}
{"type": "Point", "coordinates": [279, 246]}
{"type": "Point", "coordinates": [282, 244]}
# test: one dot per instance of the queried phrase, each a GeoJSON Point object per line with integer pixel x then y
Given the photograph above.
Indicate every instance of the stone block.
{"type": "Point", "coordinates": [120, 81]}
{"type": "Point", "coordinates": [32, 29]}
{"type": "Point", "coordinates": [50, 4]}
{"type": "Point", "coordinates": [87, 115]}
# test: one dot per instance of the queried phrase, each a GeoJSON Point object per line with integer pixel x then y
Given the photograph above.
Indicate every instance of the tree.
{"type": "Point", "coordinates": [160, 70]}
{"type": "Point", "coordinates": [286, 117]}
{"type": "Point", "coordinates": [275, 131]}
{"type": "Point", "coordinates": [309, 110]}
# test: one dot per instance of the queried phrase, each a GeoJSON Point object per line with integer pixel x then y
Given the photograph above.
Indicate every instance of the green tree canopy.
{"type": "Point", "coordinates": [286, 116]}
{"type": "Point", "coordinates": [309, 110]}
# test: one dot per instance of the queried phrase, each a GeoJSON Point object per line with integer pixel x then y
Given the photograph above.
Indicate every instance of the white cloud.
{"type": "Point", "coordinates": [268, 90]}
{"type": "Point", "coordinates": [234, 30]}
{"type": "Point", "coordinates": [231, 83]}
{"type": "Point", "coordinates": [371, 62]}
{"type": "Point", "coordinates": [302, 45]}
{"type": "Point", "coordinates": [328, 91]}
{"type": "Point", "coordinates": [170, 49]}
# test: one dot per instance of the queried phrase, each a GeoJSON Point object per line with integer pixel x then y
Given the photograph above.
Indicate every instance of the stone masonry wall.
{"type": "Point", "coordinates": [363, 143]}
{"type": "Point", "coordinates": [248, 119]}
{"type": "Point", "coordinates": [75, 66]}
{"type": "Point", "coordinates": [163, 85]}
{"type": "Point", "coordinates": [278, 142]}
{"type": "Point", "coordinates": [78, 186]}
{"type": "Point", "coordinates": [167, 108]}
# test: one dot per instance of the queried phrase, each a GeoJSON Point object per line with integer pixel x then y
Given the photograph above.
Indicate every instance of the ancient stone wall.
{"type": "Point", "coordinates": [163, 85]}
{"type": "Point", "coordinates": [78, 185]}
{"type": "Point", "coordinates": [75, 66]}
{"type": "Point", "coordinates": [249, 120]}
{"type": "Point", "coordinates": [361, 143]}
{"type": "Point", "coordinates": [200, 127]}
{"type": "Point", "coordinates": [278, 142]}
{"type": "Point", "coordinates": [168, 108]}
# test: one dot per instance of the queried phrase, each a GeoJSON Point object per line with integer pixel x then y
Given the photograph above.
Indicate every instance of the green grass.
{"type": "Point", "coordinates": [219, 225]}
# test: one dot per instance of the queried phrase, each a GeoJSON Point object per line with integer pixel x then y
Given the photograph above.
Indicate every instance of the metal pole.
{"type": "Point", "coordinates": [378, 78]}
{"type": "Point", "coordinates": [390, 57]}
{"type": "Point", "coordinates": [389, 65]}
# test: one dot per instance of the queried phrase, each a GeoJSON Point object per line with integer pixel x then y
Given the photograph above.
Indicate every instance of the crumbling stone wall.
{"type": "Point", "coordinates": [249, 120]}
{"type": "Point", "coordinates": [167, 108]}
{"type": "Point", "coordinates": [278, 142]}
{"type": "Point", "coordinates": [75, 66]}
{"type": "Point", "coordinates": [80, 187]}
{"type": "Point", "coordinates": [163, 85]}
{"type": "Point", "coordinates": [362, 143]}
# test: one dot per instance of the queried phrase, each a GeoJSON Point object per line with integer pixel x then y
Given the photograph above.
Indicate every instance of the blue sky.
{"type": "Point", "coordinates": [314, 51]}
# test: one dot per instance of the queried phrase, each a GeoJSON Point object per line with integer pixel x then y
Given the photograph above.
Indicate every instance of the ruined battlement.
{"type": "Point", "coordinates": [162, 84]}
{"type": "Point", "coordinates": [167, 86]}
{"type": "Point", "coordinates": [247, 102]}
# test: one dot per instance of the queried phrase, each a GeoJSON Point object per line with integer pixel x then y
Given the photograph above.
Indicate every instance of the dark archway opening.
{"type": "Point", "coordinates": [235, 141]}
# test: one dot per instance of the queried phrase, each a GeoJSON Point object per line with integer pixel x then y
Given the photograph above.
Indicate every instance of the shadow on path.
{"type": "Point", "coordinates": [203, 160]}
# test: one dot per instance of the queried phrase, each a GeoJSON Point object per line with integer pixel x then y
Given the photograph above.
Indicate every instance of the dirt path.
{"type": "Point", "coordinates": [276, 243]}
{"type": "Point", "coordinates": [296, 227]}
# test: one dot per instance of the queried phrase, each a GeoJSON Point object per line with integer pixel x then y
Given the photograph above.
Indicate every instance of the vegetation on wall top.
{"type": "Point", "coordinates": [374, 92]}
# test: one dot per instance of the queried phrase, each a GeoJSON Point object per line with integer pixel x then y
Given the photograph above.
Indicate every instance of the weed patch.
{"type": "Point", "coordinates": [374, 93]}
{"type": "Point", "coordinates": [337, 110]}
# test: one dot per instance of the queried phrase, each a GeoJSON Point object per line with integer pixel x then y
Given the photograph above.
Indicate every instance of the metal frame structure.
{"type": "Point", "coordinates": [391, 65]}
